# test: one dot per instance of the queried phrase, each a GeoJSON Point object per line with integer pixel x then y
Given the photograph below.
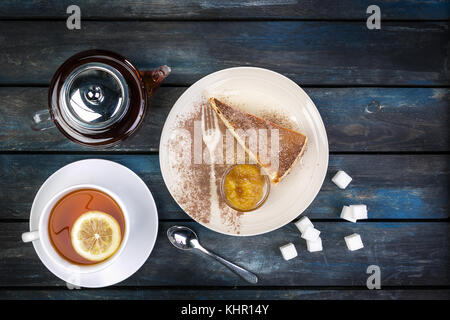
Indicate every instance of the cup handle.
{"type": "Point", "coordinates": [30, 236]}
{"type": "Point", "coordinates": [42, 121]}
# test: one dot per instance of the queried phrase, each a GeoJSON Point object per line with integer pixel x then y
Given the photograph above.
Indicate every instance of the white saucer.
{"type": "Point", "coordinates": [254, 90]}
{"type": "Point", "coordinates": [133, 192]}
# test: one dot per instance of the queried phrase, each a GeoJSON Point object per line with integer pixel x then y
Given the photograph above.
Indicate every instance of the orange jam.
{"type": "Point", "coordinates": [244, 186]}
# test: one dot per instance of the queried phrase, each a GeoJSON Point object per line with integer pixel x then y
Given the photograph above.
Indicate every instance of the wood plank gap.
{"type": "Point", "coordinates": [156, 152]}
{"type": "Point", "coordinates": [237, 288]}
{"type": "Point", "coordinates": [337, 220]}
{"type": "Point", "coordinates": [84, 152]}
{"type": "Point", "coordinates": [217, 19]}
{"type": "Point", "coordinates": [13, 220]}
{"type": "Point", "coordinates": [389, 152]}
{"type": "Point", "coordinates": [302, 85]}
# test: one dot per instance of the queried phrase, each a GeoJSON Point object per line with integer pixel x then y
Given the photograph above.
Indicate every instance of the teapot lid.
{"type": "Point", "coordinates": [94, 96]}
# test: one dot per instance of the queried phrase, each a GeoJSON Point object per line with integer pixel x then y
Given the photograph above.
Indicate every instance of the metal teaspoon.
{"type": "Point", "coordinates": [186, 239]}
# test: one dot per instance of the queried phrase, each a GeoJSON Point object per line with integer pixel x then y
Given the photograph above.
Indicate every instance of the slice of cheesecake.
{"type": "Point", "coordinates": [287, 145]}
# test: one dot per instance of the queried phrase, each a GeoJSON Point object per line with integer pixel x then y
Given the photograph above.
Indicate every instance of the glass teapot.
{"type": "Point", "coordinates": [98, 98]}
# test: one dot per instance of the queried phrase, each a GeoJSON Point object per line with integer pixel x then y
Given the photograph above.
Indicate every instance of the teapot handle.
{"type": "Point", "coordinates": [42, 120]}
{"type": "Point", "coordinates": [153, 78]}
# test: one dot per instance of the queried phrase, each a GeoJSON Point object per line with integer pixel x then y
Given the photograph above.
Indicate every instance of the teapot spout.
{"type": "Point", "coordinates": [153, 78]}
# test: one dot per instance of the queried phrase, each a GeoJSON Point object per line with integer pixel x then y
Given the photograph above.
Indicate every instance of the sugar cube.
{"type": "Point", "coordinates": [314, 246]}
{"type": "Point", "coordinates": [303, 223]}
{"type": "Point", "coordinates": [311, 234]}
{"type": "Point", "coordinates": [347, 214]}
{"type": "Point", "coordinates": [359, 211]}
{"type": "Point", "coordinates": [341, 179]}
{"type": "Point", "coordinates": [354, 242]}
{"type": "Point", "coordinates": [288, 251]}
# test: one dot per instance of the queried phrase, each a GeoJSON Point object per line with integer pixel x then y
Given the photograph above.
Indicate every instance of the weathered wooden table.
{"type": "Point", "coordinates": [383, 95]}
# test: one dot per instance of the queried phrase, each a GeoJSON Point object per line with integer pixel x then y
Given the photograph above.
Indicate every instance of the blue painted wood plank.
{"type": "Point", "coordinates": [384, 119]}
{"type": "Point", "coordinates": [310, 53]}
{"type": "Point", "coordinates": [149, 293]}
{"type": "Point", "coordinates": [408, 254]}
{"type": "Point", "coordinates": [227, 9]}
{"type": "Point", "coordinates": [392, 186]}
{"type": "Point", "coordinates": [356, 119]}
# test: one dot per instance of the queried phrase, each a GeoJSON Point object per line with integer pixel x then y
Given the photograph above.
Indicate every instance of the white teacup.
{"type": "Point", "coordinates": [42, 233]}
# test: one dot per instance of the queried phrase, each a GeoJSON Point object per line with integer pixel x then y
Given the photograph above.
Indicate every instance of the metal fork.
{"type": "Point", "coordinates": [210, 130]}
{"type": "Point", "coordinates": [211, 137]}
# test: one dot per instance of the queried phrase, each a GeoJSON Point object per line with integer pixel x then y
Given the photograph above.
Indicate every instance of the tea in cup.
{"type": "Point", "coordinates": [84, 226]}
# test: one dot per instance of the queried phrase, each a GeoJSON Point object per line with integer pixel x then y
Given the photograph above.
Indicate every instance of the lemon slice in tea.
{"type": "Point", "coordinates": [96, 235]}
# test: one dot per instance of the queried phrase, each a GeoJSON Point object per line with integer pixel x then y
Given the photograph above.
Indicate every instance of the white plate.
{"type": "Point", "coordinates": [254, 89]}
{"type": "Point", "coordinates": [143, 217]}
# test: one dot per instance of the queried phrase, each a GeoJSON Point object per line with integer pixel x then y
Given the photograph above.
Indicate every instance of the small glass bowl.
{"type": "Point", "coordinates": [266, 191]}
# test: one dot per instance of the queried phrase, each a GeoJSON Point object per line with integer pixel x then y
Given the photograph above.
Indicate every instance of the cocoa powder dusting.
{"type": "Point", "coordinates": [192, 188]}
{"type": "Point", "coordinates": [192, 191]}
